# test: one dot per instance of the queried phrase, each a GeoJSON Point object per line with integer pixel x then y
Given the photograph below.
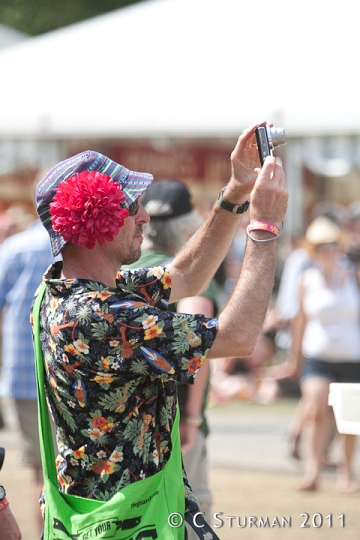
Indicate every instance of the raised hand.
{"type": "Point", "coordinates": [245, 158]}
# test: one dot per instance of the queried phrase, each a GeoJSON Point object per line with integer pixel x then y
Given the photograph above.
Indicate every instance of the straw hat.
{"type": "Point", "coordinates": [322, 231]}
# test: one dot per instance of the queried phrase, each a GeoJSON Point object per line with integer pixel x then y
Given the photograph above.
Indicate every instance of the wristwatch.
{"type": "Point", "coordinates": [233, 208]}
{"type": "Point", "coordinates": [2, 493]}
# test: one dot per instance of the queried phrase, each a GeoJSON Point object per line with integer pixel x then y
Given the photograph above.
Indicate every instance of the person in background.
{"type": "Point", "coordinates": [24, 258]}
{"type": "Point", "coordinates": [276, 382]}
{"type": "Point", "coordinates": [173, 221]}
{"type": "Point", "coordinates": [325, 346]}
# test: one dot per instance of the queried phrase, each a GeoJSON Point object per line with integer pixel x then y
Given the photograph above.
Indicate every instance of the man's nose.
{"type": "Point", "coordinates": [142, 215]}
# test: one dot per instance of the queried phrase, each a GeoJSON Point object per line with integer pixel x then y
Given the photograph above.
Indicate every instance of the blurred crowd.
{"type": "Point", "coordinates": [261, 377]}
{"type": "Point", "coordinates": [310, 338]}
{"type": "Point", "coordinates": [14, 219]}
{"type": "Point", "coordinates": [294, 358]}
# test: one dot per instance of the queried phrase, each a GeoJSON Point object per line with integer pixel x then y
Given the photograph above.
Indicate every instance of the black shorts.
{"type": "Point", "coordinates": [341, 372]}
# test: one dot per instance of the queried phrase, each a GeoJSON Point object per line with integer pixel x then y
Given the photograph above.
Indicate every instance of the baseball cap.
{"type": "Point", "coordinates": [133, 185]}
{"type": "Point", "coordinates": [166, 199]}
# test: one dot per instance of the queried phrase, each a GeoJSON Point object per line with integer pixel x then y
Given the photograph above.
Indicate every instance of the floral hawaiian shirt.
{"type": "Point", "coordinates": [112, 359]}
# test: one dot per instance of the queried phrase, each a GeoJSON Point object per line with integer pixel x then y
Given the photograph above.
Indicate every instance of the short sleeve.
{"type": "Point", "coordinates": [165, 344]}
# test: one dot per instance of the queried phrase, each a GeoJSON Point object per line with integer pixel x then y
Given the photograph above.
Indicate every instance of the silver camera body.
{"type": "Point", "coordinates": [268, 138]}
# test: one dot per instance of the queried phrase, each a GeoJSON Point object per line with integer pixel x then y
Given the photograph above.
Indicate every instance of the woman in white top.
{"type": "Point", "coordinates": [325, 346]}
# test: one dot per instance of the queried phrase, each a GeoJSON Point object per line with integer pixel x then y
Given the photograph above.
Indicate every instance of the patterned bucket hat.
{"type": "Point", "coordinates": [133, 185]}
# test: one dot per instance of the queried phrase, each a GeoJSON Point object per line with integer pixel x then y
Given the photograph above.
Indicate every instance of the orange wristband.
{"type": "Point", "coordinates": [4, 503]}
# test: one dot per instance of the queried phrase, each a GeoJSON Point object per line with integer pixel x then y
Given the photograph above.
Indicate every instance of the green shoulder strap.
{"type": "Point", "coordinates": [45, 434]}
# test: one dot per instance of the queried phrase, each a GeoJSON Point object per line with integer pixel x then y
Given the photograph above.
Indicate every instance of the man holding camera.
{"type": "Point", "coordinates": [108, 333]}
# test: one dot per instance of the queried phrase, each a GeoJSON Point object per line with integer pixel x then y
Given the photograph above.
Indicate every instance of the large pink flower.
{"type": "Point", "coordinates": [86, 209]}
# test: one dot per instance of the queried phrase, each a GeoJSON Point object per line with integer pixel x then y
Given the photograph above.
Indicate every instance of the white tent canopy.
{"type": "Point", "coordinates": [9, 36]}
{"type": "Point", "coordinates": [187, 68]}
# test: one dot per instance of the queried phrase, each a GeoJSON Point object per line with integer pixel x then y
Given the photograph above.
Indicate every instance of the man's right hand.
{"type": "Point", "coordinates": [269, 197]}
{"type": "Point", "coordinates": [263, 186]}
{"type": "Point", "coordinates": [244, 161]}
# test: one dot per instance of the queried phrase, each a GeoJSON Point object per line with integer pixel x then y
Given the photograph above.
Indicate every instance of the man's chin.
{"type": "Point", "coordinates": [132, 257]}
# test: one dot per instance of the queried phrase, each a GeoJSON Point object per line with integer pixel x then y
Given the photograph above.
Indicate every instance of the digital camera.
{"type": "Point", "coordinates": [268, 138]}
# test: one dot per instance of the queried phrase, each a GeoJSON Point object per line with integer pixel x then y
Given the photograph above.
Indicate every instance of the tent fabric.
{"type": "Point", "coordinates": [9, 36]}
{"type": "Point", "coordinates": [187, 68]}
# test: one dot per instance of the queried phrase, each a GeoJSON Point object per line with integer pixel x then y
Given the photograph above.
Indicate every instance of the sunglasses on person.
{"type": "Point", "coordinates": [134, 208]}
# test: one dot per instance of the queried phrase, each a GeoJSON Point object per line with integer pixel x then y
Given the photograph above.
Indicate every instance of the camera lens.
{"type": "Point", "coordinates": [276, 136]}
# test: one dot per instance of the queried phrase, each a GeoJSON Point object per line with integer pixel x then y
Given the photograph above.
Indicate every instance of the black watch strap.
{"type": "Point", "coordinates": [2, 456]}
{"type": "Point", "coordinates": [233, 208]}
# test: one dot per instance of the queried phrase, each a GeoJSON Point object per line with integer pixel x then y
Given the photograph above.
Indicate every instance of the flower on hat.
{"type": "Point", "coordinates": [86, 209]}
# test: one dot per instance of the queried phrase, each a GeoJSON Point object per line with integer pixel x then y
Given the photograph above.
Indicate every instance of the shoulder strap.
{"type": "Point", "coordinates": [45, 434]}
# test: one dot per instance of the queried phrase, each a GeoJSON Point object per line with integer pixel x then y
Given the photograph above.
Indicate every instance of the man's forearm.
{"type": "Point", "coordinates": [195, 265]}
{"type": "Point", "coordinates": [241, 321]}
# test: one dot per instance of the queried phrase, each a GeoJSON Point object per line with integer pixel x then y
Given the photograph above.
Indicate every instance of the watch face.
{"type": "Point", "coordinates": [2, 493]}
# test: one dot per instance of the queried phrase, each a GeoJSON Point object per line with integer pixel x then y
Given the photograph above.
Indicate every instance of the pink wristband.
{"type": "Point", "coordinates": [264, 226]}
